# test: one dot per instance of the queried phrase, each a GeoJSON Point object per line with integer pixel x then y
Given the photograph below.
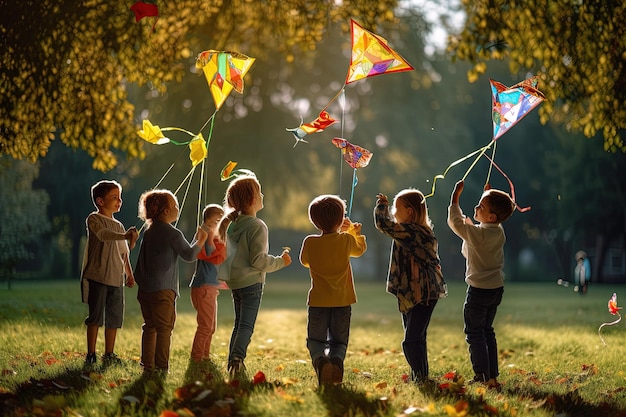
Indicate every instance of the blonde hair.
{"type": "Point", "coordinates": [153, 203]}
{"type": "Point", "coordinates": [415, 200]}
{"type": "Point", "coordinates": [238, 199]}
{"type": "Point", "coordinates": [326, 212]}
{"type": "Point", "coordinates": [500, 204]}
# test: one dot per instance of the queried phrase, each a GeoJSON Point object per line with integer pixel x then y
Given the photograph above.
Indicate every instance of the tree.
{"type": "Point", "coordinates": [576, 47]}
{"type": "Point", "coordinates": [22, 213]}
{"type": "Point", "coordinates": [66, 66]}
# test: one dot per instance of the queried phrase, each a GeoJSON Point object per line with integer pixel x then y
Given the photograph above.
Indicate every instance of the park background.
{"type": "Point", "coordinates": [75, 94]}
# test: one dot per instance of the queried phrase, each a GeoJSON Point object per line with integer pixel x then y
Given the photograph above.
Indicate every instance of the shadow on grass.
{"type": "Point", "coordinates": [55, 392]}
{"type": "Point", "coordinates": [205, 392]}
{"type": "Point", "coordinates": [570, 403]}
{"type": "Point", "coordinates": [343, 401]}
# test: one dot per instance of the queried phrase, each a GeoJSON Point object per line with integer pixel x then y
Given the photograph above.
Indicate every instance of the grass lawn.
{"type": "Point", "coordinates": [552, 360]}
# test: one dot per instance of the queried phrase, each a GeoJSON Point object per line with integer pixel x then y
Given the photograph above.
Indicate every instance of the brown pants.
{"type": "Point", "coordinates": [159, 314]}
{"type": "Point", "coordinates": [204, 300]}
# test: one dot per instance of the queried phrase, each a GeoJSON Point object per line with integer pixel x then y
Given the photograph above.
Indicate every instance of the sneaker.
{"type": "Point", "coordinates": [493, 384]}
{"type": "Point", "coordinates": [90, 359]}
{"type": "Point", "coordinates": [324, 370]}
{"type": "Point", "coordinates": [337, 370]}
{"type": "Point", "coordinates": [236, 368]}
{"type": "Point", "coordinates": [111, 358]}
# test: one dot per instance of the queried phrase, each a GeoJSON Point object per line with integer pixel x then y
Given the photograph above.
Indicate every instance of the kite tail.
{"type": "Point", "coordinates": [458, 161]}
{"type": "Point", "coordinates": [354, 181]}
{"type": "Point", "coordinates": [484, 149]}
{"type": "Point", "coordinates": [608, 324]}
{"type": "Point", "coordinates": [520, 209]}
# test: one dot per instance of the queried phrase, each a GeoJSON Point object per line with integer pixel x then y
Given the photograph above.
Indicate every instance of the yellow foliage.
{"type": "Point", "coordinates": [577, 47]}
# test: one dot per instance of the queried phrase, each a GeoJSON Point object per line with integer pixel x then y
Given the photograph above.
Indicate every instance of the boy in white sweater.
{"type": "Point", "coordinates": [483, 249]}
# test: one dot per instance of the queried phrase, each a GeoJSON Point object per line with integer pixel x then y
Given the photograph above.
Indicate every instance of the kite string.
{"type": "Point", "coordinates": [608, 324]}
{"type": "Point", "coordinates": [493, 157]}
{"type": "Point", "coordinates": [342, 103]}
{"type": "Point", "coordinates": [476, 160]}
{"type": "Point", "coordinates": [458, 161]}
{"type": "Point", "coordinates": [187, 179]}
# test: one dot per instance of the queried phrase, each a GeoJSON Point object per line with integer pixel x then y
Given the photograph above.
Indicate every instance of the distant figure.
{"type": "Point", "coordinates": [582, 273]}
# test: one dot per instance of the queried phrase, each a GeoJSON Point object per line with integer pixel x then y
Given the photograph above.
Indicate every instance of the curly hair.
{"type": "Point", "coordinates": [153, 203]}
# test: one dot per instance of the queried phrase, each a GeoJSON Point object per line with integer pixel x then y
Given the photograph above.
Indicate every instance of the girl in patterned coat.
{"type": "Point", "coordinates": [414, 277]}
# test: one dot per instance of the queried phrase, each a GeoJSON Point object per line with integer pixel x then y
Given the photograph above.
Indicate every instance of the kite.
{"type": "Point", "coordinates": [318, 125]}
{"type": "Point", "coordinates": [143, 9]}
{"type": "Point", "coordinates": [511, 104]}
{"type": "Point", "coordinates": [229, 171]}
{"type": "Point", "coordinates": [224, 72]}
{"type": "Point", "coordinates": [356, 157]}
{"type": "Point", "coordinates": [508, 106]}
{"type": "Point", "coordinates": [614, 310]}
{"type": "Point", "coordinates": [154, 134]}
{"type": "Point", "coordinates": [372, 56]}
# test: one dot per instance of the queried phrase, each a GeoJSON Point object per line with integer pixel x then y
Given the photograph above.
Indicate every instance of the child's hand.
{"type": "Point", "coordinates": [200, 236]}
{"type": "Point", "coordinates": [381, 199]}
{"type": "Point", "coordinates": [487, 187]}
{"type": "Point", "coordinates": [345, 225]}
{"type": "Point", "coordinates": [467, 220]}
{"type": "Point", "coordinates": [130, 281]}
{"type": "Point", "coordinates": [131, 235]}
{"type": "Point", "coordinates": [357, 228]}
{"type": "Point", "coordinates": [456, 194]}
{"type": "Point", "coordinates": [286, 257]}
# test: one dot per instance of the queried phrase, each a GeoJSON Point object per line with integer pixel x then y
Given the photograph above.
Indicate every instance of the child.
{"type": "Point", "coordinates": [414, 277]}
{"type": "Point", "coordinates": [106, 268]}
{"type": "Point", "coordinates": [204, 283]}
{"type": "Point", "coordinates": [247, 262]}
{"type": "Point", "coordinates": [482, 248]}
{"type": "Point", "coordinates": [157, 274]}
{"type": "Point", "coordinates": [332, 293]}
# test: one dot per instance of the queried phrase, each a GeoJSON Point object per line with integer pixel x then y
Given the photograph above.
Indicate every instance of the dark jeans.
{"type": "Point", "coordinates": [415, 323]}
{"type": "Point", "coordinates": [246, 303]}
{"type": "Point", "coordinates": [479, 312]}
{"type": "Point", "coordinates": [328, 328]}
